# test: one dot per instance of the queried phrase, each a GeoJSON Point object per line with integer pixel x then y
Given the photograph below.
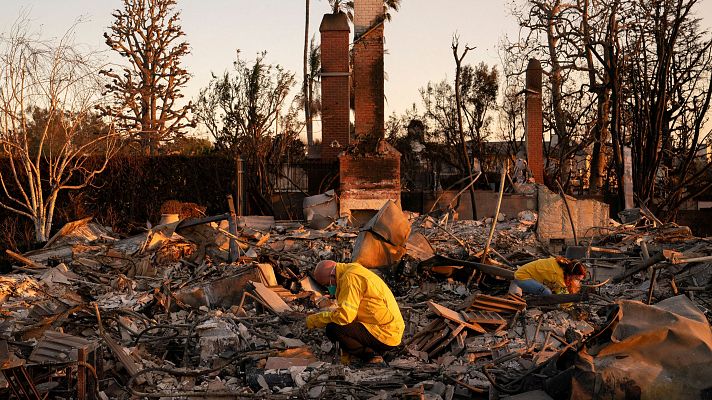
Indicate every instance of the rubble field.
{"type": "Point", "coordinates": [201, 308]}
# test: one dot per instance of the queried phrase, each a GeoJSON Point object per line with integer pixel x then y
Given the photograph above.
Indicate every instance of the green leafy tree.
{"type": "Point", "coordinates": [246, 113]}
{"type": "Point", "coordinates": [478, 87]}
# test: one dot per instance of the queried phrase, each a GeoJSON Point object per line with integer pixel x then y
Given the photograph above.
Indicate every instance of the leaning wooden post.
{"type": "Point", "coordinates": [568, 211]}
{"type": "Point", "coordinates": [233, 229]}
{"type": "Point", "coordinates": [505, 167]}
{"type": "Point", "coordinates": [240, 186]}
{"type": "Point", "coordinates": [81, 373]}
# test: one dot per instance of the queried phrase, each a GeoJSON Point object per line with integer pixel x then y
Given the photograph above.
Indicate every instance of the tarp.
{"type": "Point", "coordinates": [655, 352]}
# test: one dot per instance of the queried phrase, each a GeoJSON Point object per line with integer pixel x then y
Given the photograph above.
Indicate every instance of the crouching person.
{"type": "Point", "coordinates": [554, 275]}
{"type": "Point", "coordinates": [367, 321]}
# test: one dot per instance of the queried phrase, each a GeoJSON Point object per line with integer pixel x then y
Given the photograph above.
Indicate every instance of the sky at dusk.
{"type": "Point", "coordinates": [417, 40]}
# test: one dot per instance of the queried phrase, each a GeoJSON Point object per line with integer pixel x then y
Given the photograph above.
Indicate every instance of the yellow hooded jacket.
{"type": "Point", "coordinates": [363, 297]}
{"type": "Point", "coordinates": [547, 271]}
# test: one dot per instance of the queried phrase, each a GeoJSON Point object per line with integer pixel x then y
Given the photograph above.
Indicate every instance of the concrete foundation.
{"type": "Point", "coordinates": [554, 227]}
{"type": "Point", "coordinates": [486, 203]}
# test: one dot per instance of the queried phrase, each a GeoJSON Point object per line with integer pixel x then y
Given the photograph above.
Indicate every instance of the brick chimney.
{"type": "Point", "coordinates": [368, 71]}
{"type": "Point", "coordinates": [534, 127]}
{"type": "Point", "coordinates": [335, 86]}
{"type": "Point", "coordinates": [370, 175]}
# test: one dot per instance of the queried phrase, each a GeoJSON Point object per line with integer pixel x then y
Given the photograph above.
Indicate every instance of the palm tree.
{"type": "Point", "coordinates": [389, 5]}
{"type": "Point", "coordinates": [347, 6]}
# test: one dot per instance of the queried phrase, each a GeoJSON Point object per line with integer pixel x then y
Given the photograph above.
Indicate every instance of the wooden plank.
{"type": "Point", "coordinates": [486, 318]}
{"type": "Point", "coordinates": [516, 297]}
{"type": "Point", "coordinates": [435, 340]}
{"type": "Point", "coordinates": [458, 345]}
{"type": "Point", "coordinates": [499, 307]}
{"type": "Point", "coordinates": [423, 340]}
{"type": "Point", "coordinates": [500, 300]}
{"type": "Point", "coordinates": [447, 341]}
{"type": "Point", "coordinates": [126, 360]}
{"type": "Point", "coordinates": [486, 308]}
{"type": "Point", "coordinates": [66, 229]}
{"type": "Point", "coordinates": [24, 260]}
{"type": "Point", "coordinates": [453, 316]}
{"type": "Point", "coordinates": [433, 325]}
{"type": "Point", "coordinates": [270, 298]}
{"type": "Point", "coordinates": [232, 226]}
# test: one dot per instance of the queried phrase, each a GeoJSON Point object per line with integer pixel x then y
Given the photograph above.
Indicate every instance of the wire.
{"type": "Point", "coordinates": [179, 372]}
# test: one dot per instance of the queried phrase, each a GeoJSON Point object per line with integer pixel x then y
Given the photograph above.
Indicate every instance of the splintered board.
{"type": "Point", "coordinates": [485, 318]}
{"type": "Point", "coordinates": [511, 304]}
{"type": "Point", "coordinates": [454, 316]}
{"type": "Point", "coordinates": [270, 298]}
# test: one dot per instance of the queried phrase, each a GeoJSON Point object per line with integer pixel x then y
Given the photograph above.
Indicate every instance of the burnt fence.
{"type": "Point", "coordinates": [132, 189]}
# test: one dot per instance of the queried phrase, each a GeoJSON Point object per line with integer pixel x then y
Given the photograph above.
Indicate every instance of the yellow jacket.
{"type": "Point", "coordinates": [547, 271]}
{"type": "Point", "coordinates": [363, 297]}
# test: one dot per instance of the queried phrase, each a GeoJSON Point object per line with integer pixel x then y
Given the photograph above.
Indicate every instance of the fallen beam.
{"type": "Point", "coordinates": [187, 223]}
{"type": "Point", "coordinates": [554, 299]}
{"type": "Point", "coordinates": [24, 260]}
{"type": "Point", "coordinates": [656, 258]}
{"type": "Point", "coordinates": [499, 272]}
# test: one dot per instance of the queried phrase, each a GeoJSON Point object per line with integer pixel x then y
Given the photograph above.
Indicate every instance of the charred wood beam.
{"type": "Point", "coordinates": [187, 223]}
{"type": "Point", "coordinates": [439, 260]}
{"type": "Point", "coordinates": [553, 299]}
{"type": "Point", "coordinates": [656, 258]}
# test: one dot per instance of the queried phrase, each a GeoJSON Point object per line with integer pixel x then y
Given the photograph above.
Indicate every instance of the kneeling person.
{"type": "Point", "coordinates": [367, 321]}
{"type": "Point", "coordinates": [554, 275]}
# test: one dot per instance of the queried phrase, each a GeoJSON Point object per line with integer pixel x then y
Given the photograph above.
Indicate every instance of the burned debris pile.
{"type": "Point", "coordinates": [202, 308]}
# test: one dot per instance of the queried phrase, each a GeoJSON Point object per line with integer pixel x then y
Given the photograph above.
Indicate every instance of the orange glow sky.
{"type": "Point", "coordinates": [417, 40]}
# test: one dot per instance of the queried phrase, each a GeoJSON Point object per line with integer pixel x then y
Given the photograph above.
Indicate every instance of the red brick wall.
{"type": "Point", "coordinates": [370, 173]}
{"type": "Point", "coordinates": [534, 121]}
{"type": "Point", "coordinates": [366, 14]}
{"type": "Point", "coordinates": [335, 90]}
{"type": "Point", "coordinates": [368, 91]}
{"type": "Point", "coordinates": [368, 180]}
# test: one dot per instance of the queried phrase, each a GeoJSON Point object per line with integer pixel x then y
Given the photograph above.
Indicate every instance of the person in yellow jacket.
{"type": "Point", "coordinates": [367, 321]}
{"type": "Point", "coordinates": [554, 275]}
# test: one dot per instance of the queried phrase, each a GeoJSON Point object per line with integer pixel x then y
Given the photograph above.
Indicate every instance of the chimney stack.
{"type": "Point", "coordinates": [369, 176]}
{"type": "Point", "coordinates": [368, 71]}
{"type": "Point", "coordinates": [534, 127]}
{"type": "Point", "coordinates": [335, 85]}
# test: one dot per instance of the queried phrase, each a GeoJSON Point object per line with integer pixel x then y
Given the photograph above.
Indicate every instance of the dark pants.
{"type": "Point", "coordinates": [355, 339]}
